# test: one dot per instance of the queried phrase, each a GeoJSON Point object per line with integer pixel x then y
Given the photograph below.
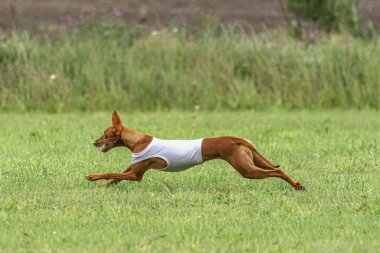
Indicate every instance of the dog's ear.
{"type": "Point", "coordinates": [116, 121]}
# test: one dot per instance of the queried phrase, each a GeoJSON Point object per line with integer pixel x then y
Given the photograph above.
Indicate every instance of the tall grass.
{"type": "Point", "coordinates": [105, 67]}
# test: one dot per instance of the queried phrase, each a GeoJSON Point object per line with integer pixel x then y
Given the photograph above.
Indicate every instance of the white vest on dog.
{"type": "Point", "coordinates": [178, 154]}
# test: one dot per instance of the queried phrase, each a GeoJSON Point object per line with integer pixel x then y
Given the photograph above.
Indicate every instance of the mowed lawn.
{"type": "Point", "coordinates": [46, 205]}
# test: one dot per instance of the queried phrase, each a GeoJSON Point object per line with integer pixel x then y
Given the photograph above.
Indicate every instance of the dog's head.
{"type": "Point", "coordinates": [112, 135]}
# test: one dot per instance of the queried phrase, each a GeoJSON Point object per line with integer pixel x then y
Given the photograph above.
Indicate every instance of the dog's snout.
{"type": "Point", "coordinates": [97, 143]}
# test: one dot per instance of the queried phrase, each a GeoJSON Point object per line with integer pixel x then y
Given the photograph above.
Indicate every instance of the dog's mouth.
{"type": "Point", "coordinates": [104, 145]}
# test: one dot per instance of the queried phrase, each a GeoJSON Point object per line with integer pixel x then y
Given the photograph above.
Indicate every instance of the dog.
{"type": "Point", "coordinates": [149, 152]}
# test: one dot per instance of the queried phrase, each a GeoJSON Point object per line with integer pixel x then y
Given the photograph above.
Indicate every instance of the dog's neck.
{"type": "Point", "coordinates": [130, 137]}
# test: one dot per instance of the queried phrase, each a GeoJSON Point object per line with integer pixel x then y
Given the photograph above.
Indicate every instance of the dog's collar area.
{"type": "Point", "coordinates": [119, 142]}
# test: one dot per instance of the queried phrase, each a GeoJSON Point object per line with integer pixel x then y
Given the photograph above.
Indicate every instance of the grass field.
{"type": "Point", "coordinates": [46, 205]}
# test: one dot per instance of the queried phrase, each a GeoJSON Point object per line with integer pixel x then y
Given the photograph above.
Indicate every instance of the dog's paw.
{"type": "Point", "coordinates": [299, 187]}
{"type": "Point", "coordinates": [92, 177]}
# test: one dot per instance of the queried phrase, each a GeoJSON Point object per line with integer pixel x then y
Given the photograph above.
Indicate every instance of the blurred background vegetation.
{"type": "Point", "coordinates": [203, 55]}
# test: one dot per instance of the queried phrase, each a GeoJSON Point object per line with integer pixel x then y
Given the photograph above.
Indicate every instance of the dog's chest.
{"type": "Point", "coordinates": [178, 154]}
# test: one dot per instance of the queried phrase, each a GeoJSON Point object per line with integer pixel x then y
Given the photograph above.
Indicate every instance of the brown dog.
{"type": "Point", "coordinates": [240, 153]}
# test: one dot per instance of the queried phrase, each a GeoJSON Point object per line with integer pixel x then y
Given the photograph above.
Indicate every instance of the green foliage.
{"type": "Point", "coordinates": [330, 15]}
{"type": "Point", "coordinates": [47, 205]}
{"type": "Point", "coordinates": [103, 67]}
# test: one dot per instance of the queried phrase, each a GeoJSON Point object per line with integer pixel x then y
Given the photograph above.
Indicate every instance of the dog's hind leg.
{"type": "Point", "coordinates": [261, 161]}
{"type": "Point", "coordinates": [258, 158]}
{"type": "Point", "coordinates": [242, 160]}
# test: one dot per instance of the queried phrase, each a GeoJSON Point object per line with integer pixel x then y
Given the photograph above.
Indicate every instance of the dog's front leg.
{"type": "Point", "coordinates": [115, 181]}
{"type": "Point", "coordinates": [118, 176]}
{"type": "Point", "coordinates": [135, 172]}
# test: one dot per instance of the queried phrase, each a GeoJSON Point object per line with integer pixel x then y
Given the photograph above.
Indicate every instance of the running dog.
{"type": "Point", "coordinates": [149, 152]}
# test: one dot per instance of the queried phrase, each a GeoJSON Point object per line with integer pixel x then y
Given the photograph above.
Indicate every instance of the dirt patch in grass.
{"type": "Point", "coordinates": [31, 14]}
{"type": "Point", "coordinates": [256, 14]}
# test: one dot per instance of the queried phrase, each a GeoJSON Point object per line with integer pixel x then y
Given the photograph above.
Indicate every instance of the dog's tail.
{"type": "Point", "coordinates": [259, 157]}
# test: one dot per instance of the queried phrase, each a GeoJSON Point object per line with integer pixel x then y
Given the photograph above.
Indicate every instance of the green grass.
{"type": "Point", "coordinates": [46, 205]}
{"type": "Point", "coordinates": [104, 66]}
